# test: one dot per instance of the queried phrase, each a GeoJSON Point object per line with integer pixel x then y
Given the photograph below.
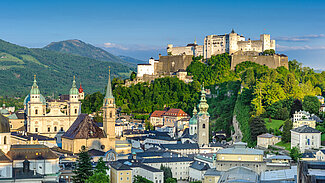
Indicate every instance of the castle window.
{"type": "Point", "coordinates": [36, 129]}
{"type": "Point", "coordinates": [55, 128]}
{"type": "Point", "coordinates": [203, 126]}
{"type": "Point", "coordinates": [5, 140]}
{"type": "Point", "coordinates": [48, 129]}
{"type": "Point", "coordinates": [36, 111]}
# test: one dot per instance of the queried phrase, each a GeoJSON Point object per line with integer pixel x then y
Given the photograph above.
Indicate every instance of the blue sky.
{"type": "Point", "coordinates": [143, 28]}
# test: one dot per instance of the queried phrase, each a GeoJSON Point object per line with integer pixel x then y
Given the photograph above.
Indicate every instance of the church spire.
{"type": "Point", "coordinates": [109, 93]}
{"type": "Point", "coordinates": [203, 106]}
{"type": "Point", "coordinates": [74, 90]}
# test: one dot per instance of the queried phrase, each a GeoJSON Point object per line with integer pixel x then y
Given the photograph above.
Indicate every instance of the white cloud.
{"type": "Point", "coordinates": [303, 38]}
{"type": "Point", "coordinates": [113, 45]}
{"type": "Point", "coordinates": [304, 47]}
{"type": "Point", "coordinates": [133, 47]}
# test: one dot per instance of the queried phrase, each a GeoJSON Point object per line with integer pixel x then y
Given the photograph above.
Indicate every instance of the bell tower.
{"type": "Point", "coordinates": [203, 118]}
{"type": "Point", "coordinates": [109, 110]}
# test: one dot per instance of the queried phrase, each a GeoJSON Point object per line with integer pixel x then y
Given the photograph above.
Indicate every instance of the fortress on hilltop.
{"type": "Point", "coordinates": [240, 50]}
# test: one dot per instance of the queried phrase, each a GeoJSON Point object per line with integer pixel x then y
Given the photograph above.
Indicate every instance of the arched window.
{"type": "Point", "coordinates": [203, 126]}
{"type": "Point", "coordinates": [55, 128]}
{"type": "Point", "coordinates": [36, 111]}
{"type": "Point", "coordinates": [5, 140]}
{"type": "Point", "coordinates": [110, 115]}
{"type": "Point", "coordinates": [75, 111]}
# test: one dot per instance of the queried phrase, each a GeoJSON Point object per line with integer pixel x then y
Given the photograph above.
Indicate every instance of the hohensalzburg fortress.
{"type": "Point", "coordinates": [227, 43]}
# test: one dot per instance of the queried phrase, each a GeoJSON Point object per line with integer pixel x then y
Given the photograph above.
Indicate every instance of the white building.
{"type": "Point", "coordinates": [320, 155]}
{"type": "Point", "coordinates": [298, 115]}
{"type": "Point", "coordinates": [305, 137]}
{"type": "Point", "coordinates": [197, 171]}
{"type": "Point", "coordinates": [148, 69]}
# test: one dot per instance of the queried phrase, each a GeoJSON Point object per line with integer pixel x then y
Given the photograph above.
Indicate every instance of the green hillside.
{"type": "Point", "coordinates": [131, 59]}
{"type": "Point", "coordinates": [54, 71]}
{"type": "Point", "coordinates": [81, 48]}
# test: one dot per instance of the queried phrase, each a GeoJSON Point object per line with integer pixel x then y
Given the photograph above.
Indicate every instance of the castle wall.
{"type": "Point", "coordinates": [171, 64]}
{"type": "Point", "coordinates": [272, 61]}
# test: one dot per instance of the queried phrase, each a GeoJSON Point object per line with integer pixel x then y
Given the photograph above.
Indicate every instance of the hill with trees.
{"type": "Point", "coordinates": [78, 47]}
{"type": "Point", "coordinates": [54, 71]}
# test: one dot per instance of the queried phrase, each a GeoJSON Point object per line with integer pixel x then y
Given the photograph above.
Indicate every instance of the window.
{"type": "Point", "coordinates": [48, 129]}
{"type": "Point", "coordinates": [110, 115]}
{"type": "Point", "coordinates": [61, 129]}
{"type": "Point", "coordinates": [75, 111]}
{"type": "Point", "coordinates": [55, 128]}
{"type": "Point", "coordinates": [36, 111]}
{"type": "Point", "coordinates": [36, 129]}
{"type": "Point", "coordinates": [5, 140]}
{"type": "Point", "coordinates": [203, 126]}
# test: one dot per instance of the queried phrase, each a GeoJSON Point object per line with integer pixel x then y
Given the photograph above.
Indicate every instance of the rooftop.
{"type": "Point", "coordinates": [199, 166]}
{"type": "Point", "coordinates": [167, 160]}
{"type": "Point", "coordinates": [305, 129]}
{"type": "Point", "coordinates": [31, 152]}
{"type": "Point", "coordinates": [240, 148]}
{"type": "Point", "coordinates": [180, 146]}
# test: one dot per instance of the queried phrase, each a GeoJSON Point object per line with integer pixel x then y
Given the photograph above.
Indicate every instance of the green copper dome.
{"type": "Point", "coordinates": [203, 106]}
{"type": "Point", "coordinates": [74, 90]}
{"type": "Point", "coordinates": [35, 90]}
{"type": "Point", "coordinates": [193, 120]}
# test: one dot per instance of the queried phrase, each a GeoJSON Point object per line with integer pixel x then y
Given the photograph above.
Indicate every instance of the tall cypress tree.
{"type": "Point", "coordinates": [84, 167]}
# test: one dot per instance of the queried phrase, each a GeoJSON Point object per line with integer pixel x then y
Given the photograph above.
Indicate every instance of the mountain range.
{"type": "Point", "coordinates": [55, 69]}
{"type": "Point", "coordinates": [78, 47]}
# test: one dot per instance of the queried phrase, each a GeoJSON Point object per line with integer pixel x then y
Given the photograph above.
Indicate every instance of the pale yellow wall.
{"type": "Point", "coordinates": [116, 176]}
{"type": "Point", "coordinates": [239, 157]}
{"type": "Point", "coordinates": [302, 122]}
{"type": "Point", "coordinates": [76, 144]}
{"type": "Point", "coordinates": [15, 124]}
{"type": "Point", "coordinates": [265, 142]}
{"type": "Point", "coordinates": [211, 179]}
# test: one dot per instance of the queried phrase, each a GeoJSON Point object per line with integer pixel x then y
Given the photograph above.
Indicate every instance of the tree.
{"type": "Point", "coordinates": [167, 172]}
{"type": "Point", "coordinates": [171, 180]}
{"type": "Point", "coordinates": [311, 104]}
{"type": "Point", "coordinates": [84, 167]}
{"type": "Point", "coordinates": [286, 134]}
{"type": "Point", "coordinates": [295, 154]}
{"type": "Point", "coordinates": [148, 125]}
{"type": "Point", "coordinates": [100, 173]}
{"type": "Point", "coordinates": [139, 179]}
{"type": "Point", "coordinates": [296, 106]}
{"type": "Point", "coordinates": [257, 125]}
{"type": "Point", "coordinates": [196, 182]}
{"type": "Point", "coordinates": [133, 76]}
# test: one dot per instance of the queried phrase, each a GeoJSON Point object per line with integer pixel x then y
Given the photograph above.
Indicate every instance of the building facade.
{"type": "Point", "coordinates": [305, 137]}
{"type": "Point", "coordinates": [265, 140]}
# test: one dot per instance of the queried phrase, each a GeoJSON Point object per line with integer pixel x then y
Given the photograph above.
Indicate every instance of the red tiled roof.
{"type": "Point", "coordinates": [157, 113]}
{"type": "Point", "coordinates": [176, 112]}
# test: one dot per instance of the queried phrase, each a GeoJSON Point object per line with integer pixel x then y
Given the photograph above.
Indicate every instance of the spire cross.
{"type": "Point", "coordinates": [109, 70]}
{"type": "Point", "coordinates": [35, 77]}
{"type": "Point", "coordinates": [74, 77]}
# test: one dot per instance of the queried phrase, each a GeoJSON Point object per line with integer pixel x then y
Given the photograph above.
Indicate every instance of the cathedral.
{"type": "Point", "coordinates": [51, 118]}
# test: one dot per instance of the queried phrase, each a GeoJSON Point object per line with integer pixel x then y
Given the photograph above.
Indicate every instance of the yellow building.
{"type": "Point", "coordinates": [264, 140]}
{"type": "Point", "coordinates": [240, 152]}
{"type": "Point", "coordinates": [120, 173]}
{"type": "Point", "coordinates": [17, 122]}
{"type": "Point", "coordinates": [211, 176]}
{"type": "Point", "coordinates": [309, 122]}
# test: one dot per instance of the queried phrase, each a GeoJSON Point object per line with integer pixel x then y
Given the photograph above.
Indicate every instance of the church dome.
{"type": "Point", "coordinates": [193, 120]}
{"type": "Point", "coordinates": [35, 90]}
{"type": "Point", "coordinates": [74, 90]}
{"type": "Point", "coordinates": [4, 124]}
{"type": "Point", "coordinates": [4, 111]}
{"type": "Point", "coordinates": [27, 99]}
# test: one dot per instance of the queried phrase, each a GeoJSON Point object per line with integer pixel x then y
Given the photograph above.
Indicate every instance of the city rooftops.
{"type": "Point", "coordinates": [240, 148]}
{"type": "Point", "coordinates": [175, 113]}
{"type": "Point", "coordinates": [305, 129]}
{"type": "Point", "coordinates": [200, 166]}
{"type": "Point", "coordinates": [31, 151]}
{"type": "Point", "coordinates": [119, 166]}
{"type": "Point", "coordinates": [180, 146]}
{"type": "Point", "coordinates": [282, 157]}
{"type": "Point", "coordinates": [167, 160]}
{"type": "Point", "coordinates": [212, 172]}
{"type": "Point", "coordinates": [266, 135]}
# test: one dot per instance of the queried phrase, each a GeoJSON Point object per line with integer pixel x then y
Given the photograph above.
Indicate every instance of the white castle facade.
{"type": "Point", "coordinates": [227, 43]}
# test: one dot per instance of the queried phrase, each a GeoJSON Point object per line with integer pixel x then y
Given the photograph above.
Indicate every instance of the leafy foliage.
{"type": "Point", "coordinates": [286, 135]}
{"type": "Point", "coordinates": [295, 154]}
{"type": "Point", "coordinates": [167, 172]}
{"type": "Point", "coordinates": [257, 126]}
{"type": "Point", "coordinates": [311, 104]}
{"type": "Point", "coordinates": [139, 179]}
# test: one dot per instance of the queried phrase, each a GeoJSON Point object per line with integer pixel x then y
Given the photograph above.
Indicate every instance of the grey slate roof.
{"type": "Point", "coordinates": [239, 174]}
{"type": "Point", "coordinates": [119, 166]}
{"type": "Point", "coordinates": [280, 157]}
{"type": "Point", "coordinates": [180, 146]}
{"type": "Point", "coordinates": [240, 148]}
{"type": "Point", "coordinates": [308, 155]}
{"type": "Point", "coordinates": [84, 127]}
{"type": "Point", "coordinates": [213, 172]}
{"type": "Point", "coordinates": [166, 160]}
{"type": "Point", "coordinates": [305, 129]}
{"type": "Point", "coordinates": [200, 166]}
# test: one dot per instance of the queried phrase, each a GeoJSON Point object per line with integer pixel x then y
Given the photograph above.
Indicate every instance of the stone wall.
{"type": "Point", "coordinates": [272, 61]}
{"type": "Point", "coordinates": [171, 64]}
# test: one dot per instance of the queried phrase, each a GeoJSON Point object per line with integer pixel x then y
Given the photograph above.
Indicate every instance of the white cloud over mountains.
{"type": "Point", "coordinates": [133, 47]}
{"type": "Point", "coordinates": [303, 47]}
{"type": "Point", "coordinates": [303, 38]}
